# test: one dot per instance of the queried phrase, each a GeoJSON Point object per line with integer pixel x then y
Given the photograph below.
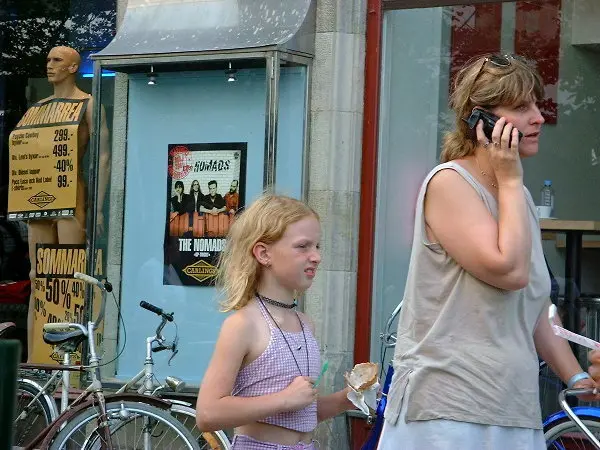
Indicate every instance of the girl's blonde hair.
{"type": "Point", "coordinates": [482, 83]}
{"type": "Point", "coordinates": [265, 220]}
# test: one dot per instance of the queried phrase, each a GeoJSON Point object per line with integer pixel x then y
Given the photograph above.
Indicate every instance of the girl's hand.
{"type": "Point", "coordinates": [503, 151]}
{"type": "Point", "coordinates": [299, 394]}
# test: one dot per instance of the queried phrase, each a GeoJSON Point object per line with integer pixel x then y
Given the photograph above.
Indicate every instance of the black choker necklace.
{"type": "Point", "coordinates": [276, 303]}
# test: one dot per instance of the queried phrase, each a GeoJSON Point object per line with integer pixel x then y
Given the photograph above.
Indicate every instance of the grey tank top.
{"type": "Point", "coordinates": [465, 349]}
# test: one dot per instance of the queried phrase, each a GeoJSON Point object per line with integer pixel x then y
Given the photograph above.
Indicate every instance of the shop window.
{"type": "Point", "coordinates": [29, 29]}
{"type": "Point", "coordinates": [422, 50]}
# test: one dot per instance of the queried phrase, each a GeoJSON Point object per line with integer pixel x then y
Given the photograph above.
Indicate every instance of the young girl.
{"type": "Point", "coordinates": [260, 379]}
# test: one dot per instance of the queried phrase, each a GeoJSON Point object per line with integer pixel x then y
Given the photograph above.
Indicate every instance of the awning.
{"type": "Point", "coordinates": [158, 27]}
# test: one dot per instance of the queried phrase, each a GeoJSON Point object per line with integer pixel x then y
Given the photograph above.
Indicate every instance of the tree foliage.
{"type": "Point", "coordinates": [30, 28]}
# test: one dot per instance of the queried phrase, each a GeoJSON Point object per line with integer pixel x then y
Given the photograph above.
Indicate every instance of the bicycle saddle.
{"type": "Point", "coordinates": [74, 337]}
{"type": "Point", "coordinates": [6, 328]}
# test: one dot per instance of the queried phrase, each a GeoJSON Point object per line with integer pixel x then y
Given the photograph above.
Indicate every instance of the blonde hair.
{"type": "Point", "coordinates": [265, 220]}
{"type": "Point", "coordinates": [482, 83]}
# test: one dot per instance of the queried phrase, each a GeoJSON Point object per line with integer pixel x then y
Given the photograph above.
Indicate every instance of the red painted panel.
{"type": "Point", "coordinates": [368, 193]}
{"type": "Point", "coordinates": [476, 29]}
{"type": "Point", "coordinates": [537, 38]}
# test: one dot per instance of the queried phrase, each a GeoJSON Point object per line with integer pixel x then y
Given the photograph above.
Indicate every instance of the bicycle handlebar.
{"type": "Point", "coordinates": [158, 338]}
{"type": "Point", "coordinates": [388, 338]}
{"type": "Point", "coordinates": [562, 400]}
{"type": "Point", "coordinates": [104, 286]}
{"type": "Point", "coordinates": [55, 326]}
{"type": "Point", "coordinates": [156, 310]}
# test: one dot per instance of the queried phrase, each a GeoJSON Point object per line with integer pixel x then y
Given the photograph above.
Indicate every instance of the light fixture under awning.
{"type": "Point", "coordinates": [152, 27]}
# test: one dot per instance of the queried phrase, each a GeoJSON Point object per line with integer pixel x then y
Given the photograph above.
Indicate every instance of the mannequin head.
{"type": "Point", "coordinates": [62, 65]}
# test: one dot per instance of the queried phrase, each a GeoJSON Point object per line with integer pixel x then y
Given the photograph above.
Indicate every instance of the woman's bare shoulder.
{"type": "Point", "coordinates": [449, 177]}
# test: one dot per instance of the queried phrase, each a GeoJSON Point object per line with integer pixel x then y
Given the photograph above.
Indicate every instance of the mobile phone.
{"type": "Point", "coordinates": [488, 119]}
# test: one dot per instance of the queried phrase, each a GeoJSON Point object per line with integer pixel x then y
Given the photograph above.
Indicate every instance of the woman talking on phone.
{"type": "Point", "coordinates": [474, 317]}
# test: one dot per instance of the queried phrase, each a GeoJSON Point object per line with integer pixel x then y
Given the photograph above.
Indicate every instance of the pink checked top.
{"type": "Point", "coordinates": [275, 369]}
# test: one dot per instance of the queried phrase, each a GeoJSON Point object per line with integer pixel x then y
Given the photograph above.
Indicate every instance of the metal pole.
{"type": "Point", "coordinates": [92, 197]}
{"type": "Point", "coordinates": [572, 291]}
{"type": "Point", "coordinates": [10, 353]}
{"type": "Point", "coordinates": [306, 135]}
{"type": "Point", "coordinates": [271, 118]}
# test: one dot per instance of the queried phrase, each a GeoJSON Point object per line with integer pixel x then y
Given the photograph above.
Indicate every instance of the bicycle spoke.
{"type": "Point", "coordinates": [31, 416]}
{"type": "Point", "coordinates": [566, 436]}
{"type": "Point", "coordinates": [131, 427]}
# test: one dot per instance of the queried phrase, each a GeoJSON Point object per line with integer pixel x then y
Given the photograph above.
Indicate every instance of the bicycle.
{"type": "Point", "coordinates": [573, 428]}
{"type": "Point", "coordinates": [143, 383]}
{"type": "Point", "coordinates": [113, 415]}
{"type": "Point", "coordinates": [6, 328]}
{"type": "Point", "coordinates": [580, 423]}
{"type": "Point", "coordinates": [376, 419]}
{"type": "Point", "coordinates": [183, 411]}
{"type": "Point", "coordinates": [39, 397]}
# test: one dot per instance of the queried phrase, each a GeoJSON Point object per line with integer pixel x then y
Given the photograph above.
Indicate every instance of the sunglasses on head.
{"type": "Point", "coordinates": [496, 60]}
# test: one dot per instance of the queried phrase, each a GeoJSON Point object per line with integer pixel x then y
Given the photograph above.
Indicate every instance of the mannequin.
{"type": "Point", "coordinates": [62, 65]}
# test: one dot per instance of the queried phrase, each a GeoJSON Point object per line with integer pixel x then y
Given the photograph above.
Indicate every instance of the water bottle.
{"type": "Point", "coordinates": [547, 196]}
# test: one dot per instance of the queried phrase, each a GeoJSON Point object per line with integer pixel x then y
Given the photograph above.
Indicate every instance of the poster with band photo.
{"type": "Point", "coordinates": [205, 190]}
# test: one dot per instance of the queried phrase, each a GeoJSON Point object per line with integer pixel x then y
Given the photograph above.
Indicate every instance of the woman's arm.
{"type": "Point", "coordinates": [555, 350]}
{"type": "Point", "coordinates": [498, 253]}
{"type": "Point", "coordinates": [557, 353]}
{"type": "Point", "coordinates": [216, 408]}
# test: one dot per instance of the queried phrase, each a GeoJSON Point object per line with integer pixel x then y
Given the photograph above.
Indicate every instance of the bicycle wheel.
{"type": "Point", "coordinates": [132, 426]}
{"type": "Point", "coordinates": [564, 434]}
{"type": "Point", "coordinates": [207, 440]}
{"type": "Point", "coordinates": [186, 415]}
{"type": "Point", "coordinates": [32, 414]}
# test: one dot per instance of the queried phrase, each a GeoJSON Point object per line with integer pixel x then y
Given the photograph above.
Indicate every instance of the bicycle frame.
{"type": "Point", "coordinates": [41, 391]}
{"type": "Point", "coordinates": [388, 340]}
{"type": "Point", "coordinates": [147, 374]}
{"type": "Point", "coordinates": [373, 439]}
{"type": "Point", "coordinates": [98, 401]}
{"type": "Point", "coordinates": [575, 413]}
{"type": "Point", "coordinates": [562, 396]}
{"type": "Point", "coordinates": [73, 410]}
{"type": "Point", "coordinates": [95, 387]}
{"type": "Point", "coordinates": [61, 377]}
{"type": "Point", "coordinates": [148, 386]}
{"type": "Point", "coordinates": [94, 362]}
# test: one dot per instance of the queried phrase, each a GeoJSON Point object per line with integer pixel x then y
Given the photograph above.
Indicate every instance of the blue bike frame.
{"type": "Point", "coordinates": [375, 433]}
{"type": "Point", "coordinates": [589, 411]}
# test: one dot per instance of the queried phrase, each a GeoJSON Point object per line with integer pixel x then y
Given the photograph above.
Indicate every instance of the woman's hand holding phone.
{"type": "Point", "coordinates": [503, 151]}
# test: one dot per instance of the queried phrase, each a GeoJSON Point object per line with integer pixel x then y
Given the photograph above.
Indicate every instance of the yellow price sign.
{"type": "Point", "coordinates": [59, 297]}
{"type": "Point", "coordinates": [43, 160]}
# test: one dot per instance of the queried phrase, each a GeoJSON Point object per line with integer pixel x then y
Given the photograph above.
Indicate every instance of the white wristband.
{"type": "Point", "coordinates": [577, 377]}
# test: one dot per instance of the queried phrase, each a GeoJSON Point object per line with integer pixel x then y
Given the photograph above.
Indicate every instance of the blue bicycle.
{"type": "Point", "coordinates": [573, 428]}
{"type": "Point", "coordinates": [388, 340]}
{"type": "Point", "coordinates": [576, 428]}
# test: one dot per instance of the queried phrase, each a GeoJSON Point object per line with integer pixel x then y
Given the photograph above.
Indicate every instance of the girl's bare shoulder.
{"type": "Point", "coordinates": [245, 320]}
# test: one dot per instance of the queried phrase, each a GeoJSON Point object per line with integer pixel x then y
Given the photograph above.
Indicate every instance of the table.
{"type": "Point", "coordinates": [574, 231]}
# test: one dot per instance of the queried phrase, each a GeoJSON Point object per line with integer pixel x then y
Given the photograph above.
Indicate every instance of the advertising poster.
{"type": "Point", "coordinates": [43, 160]}
{"type": "Point", "coordinates": [59, 297]}
{"type": "Point", "coordinates": [205, 190]}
